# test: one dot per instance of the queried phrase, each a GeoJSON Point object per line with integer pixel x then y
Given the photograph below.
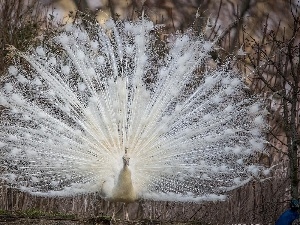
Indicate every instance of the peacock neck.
{"type": "Point", "coordinates": [124, 190]}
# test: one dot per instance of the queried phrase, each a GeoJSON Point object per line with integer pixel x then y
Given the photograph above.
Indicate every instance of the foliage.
{"type": "Point", "coordinates": [276, 65]}
{"type": "Point", "coordinates": [21, 22]}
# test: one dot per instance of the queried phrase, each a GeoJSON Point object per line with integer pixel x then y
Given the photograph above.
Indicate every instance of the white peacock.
{"type": "Point", "coordinates": [104, 109]}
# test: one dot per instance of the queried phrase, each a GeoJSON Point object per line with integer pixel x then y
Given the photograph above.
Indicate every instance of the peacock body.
{"type": "Point", "coordinates": [76, 108]}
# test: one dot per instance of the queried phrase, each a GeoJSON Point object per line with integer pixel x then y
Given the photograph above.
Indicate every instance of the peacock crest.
{"type": "Point", "coordinates": [94, 96]}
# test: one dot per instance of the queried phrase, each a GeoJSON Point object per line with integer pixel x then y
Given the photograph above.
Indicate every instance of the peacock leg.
{"type": "Point", "coordinates": [125, 208]}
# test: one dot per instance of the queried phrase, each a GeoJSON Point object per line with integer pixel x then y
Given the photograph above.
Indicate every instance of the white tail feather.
{"type": "Point", "coordinates": [66, 132]}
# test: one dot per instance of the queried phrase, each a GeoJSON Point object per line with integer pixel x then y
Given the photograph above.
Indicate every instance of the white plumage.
{"type": "Point", "coordinates": [76, 108]}
{"type": "Point", "coordinates": [122, 190]}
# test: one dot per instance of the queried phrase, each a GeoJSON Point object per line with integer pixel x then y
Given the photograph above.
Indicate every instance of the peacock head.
{"type": "Point", "coordinates": [126, 158]}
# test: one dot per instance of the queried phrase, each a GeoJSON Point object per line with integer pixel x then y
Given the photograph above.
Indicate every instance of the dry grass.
{"type": "Point", "coordinates": [21, 21]}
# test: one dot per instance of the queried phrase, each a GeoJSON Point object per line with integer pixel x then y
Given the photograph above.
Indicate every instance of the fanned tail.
{"type": "Point", "coordinates": [73, 106]}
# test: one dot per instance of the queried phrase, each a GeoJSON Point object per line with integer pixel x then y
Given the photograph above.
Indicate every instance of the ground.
{"type": "Point", "coordinates": [11, 219]}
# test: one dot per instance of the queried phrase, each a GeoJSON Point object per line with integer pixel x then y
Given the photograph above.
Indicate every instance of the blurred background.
{"type": "Point", "coordinates": [263, 37]}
